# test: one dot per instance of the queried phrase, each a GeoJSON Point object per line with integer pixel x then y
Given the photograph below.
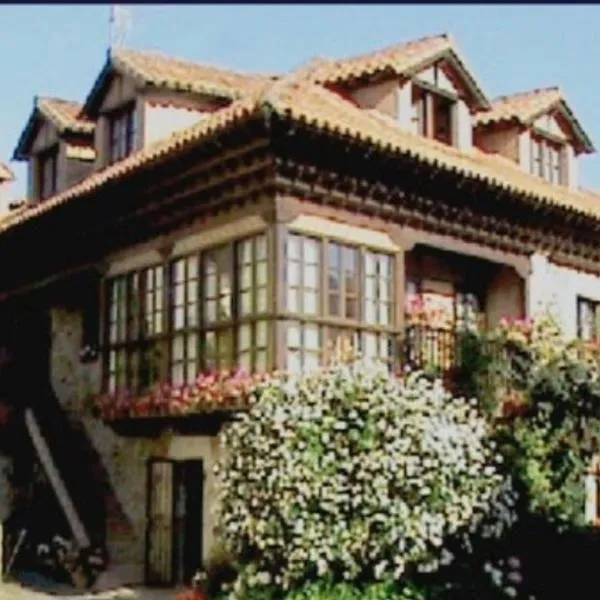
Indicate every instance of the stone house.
{"type": "Point", "coordinates": [187, 219]}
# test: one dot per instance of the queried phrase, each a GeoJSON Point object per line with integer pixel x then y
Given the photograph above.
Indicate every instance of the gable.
{"type": "Point", "coordinates": [118, 90]}
{"type": "Point", "coordinates": [552, 126]}
{"type": "Point", "coordinates": [448, 75]}
{"type": "Point", "coordinates": [45, 137]}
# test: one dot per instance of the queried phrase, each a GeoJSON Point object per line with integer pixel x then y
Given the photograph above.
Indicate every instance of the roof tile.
{"type": "Point", "coordinates": [65, 114]}
{"type": "Point", "coordinates": [163, 71]}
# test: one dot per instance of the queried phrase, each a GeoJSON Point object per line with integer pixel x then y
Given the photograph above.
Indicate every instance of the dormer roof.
{"type": "Point", "coordinates": [401, 60]}
{"type": "Point", "coordinates": [525, 107]}
{"type": "Point", "coordinates": [65, 115]}
{"type": "Point", "coordinates": [154, 69]}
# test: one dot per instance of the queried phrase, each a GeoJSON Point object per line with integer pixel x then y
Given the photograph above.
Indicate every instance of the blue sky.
{"type": "Point", "coordinates": [59, 50]}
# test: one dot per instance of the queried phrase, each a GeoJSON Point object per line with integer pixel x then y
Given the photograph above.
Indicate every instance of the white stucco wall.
{"type": "Point", "coordinates": [555, 289]}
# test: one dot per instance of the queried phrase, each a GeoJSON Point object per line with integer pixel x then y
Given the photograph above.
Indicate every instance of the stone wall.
{"type": "Point", "coordinates": [75, 385]}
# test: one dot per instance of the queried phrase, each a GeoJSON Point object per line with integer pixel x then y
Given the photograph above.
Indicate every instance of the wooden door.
{"type": "Point", "coordinates": [174, 521]}
{"type": "Point", "coordinates": [160, 555]}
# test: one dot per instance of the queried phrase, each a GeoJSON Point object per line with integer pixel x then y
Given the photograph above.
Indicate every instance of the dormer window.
{"type": "Point", "coordinates": [433, 114]}
{"type": "Point", "coordinates": [121, 133]}
{"type": "Point", "coordinates": [546, 158]}
{"type": "Point", "coordinates": [48, 173]}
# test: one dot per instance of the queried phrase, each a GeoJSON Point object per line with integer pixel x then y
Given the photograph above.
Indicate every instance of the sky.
{"type": "Point", "coordinates": [58, 50]}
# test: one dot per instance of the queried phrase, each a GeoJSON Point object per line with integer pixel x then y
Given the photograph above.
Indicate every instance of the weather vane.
{"type": "Point", "coordinates": [120, 23]}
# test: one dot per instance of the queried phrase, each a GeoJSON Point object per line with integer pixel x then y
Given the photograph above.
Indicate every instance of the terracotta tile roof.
{"type": "Point", "coordinates": [309, 103]}
{"type": "Point", "coordinates": [327, 111]}
{"type": "Point", "coordinates": [525, 107]}
{"type": "Point", "coordinates": [65, 114]}
{"type": "Point", "coordinates": [6, 173]}
{"type": "Point", "coordinates": [175, 74]}
{"type": "Point", "coordinates": [400, 59]}
{"type": "Point", "coordinates": [145, 158]}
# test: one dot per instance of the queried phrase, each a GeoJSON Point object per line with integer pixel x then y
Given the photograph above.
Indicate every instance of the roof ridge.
{"type": "Point", "coordinates": [525, 93]}
{"type": "Point", "coordinates": [122, 53]}
{"type": "Point", "coordinates": [396, 46]}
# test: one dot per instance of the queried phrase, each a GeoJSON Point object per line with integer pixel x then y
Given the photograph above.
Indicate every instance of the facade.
{"type": "Point", "coordinates": [194, 220]}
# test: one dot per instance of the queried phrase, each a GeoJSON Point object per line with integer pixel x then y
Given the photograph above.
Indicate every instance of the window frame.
{"type": "Point", "coordinates": [594, 305]}
{"type": "Point", "coordinates": [543, 165]}
{"type": "Point", "coordinates": [257, 321]}
{"type": "Point", "coordinates": [426, 100]}
{"type": "Point", "coordinates": [45, 158]}
{"type": "Point", "coordinates": [121, 132]}
{"type": "Point", "coordinates": [324, 321]}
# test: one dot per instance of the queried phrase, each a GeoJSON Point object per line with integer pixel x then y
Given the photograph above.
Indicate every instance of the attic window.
{"type": "Point", "coordinates": [121, 136]}
{"type": "Point", "coordinates": [547, 159]}
{"type": "Point", "coordinates": [432, 114]}
{"type": "Point", "coordinates": [47, 173]}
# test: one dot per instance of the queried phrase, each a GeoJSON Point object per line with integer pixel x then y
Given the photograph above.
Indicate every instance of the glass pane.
{"type": "Point", "coordinates": [210, 286]}
{"type": "Point", "coordinates": [352, 308]}
{"type": "Point", "coordinates": [384, 313]}
{"type": "Point", "coordinates": [244, 338]}
{"type": "Point", "coordinates": [261, 334]}
{"type": "Point", "coordinates": [158, 323]}
{"type": "Point", "coordinates": [210, 311]}
{"type": "Point", "coordinates": [246, 303]}
{"type": "Point", "coordinates": [292, 301]}
{"type": "Point", "coordinates": [244, 361]}
{"type": "Point", "coordinates": [179, 271]}
{"type": "Point", "coordinates": [293, 247]}
{"type": "Point", "coordinates": [191, 372]}
{"type": "Point", "coordinates": [192, 290]}
{"type": "Point", "coordinates": [311, 363]}
{"type": "Point", "coordinates": [261, 361]}
{"type": "Point", "coordinates": [245, 252]}
{"type": "Point", "coordinates": [178, 318]}
{"type": "Point", "coordinates": [261, 247]}
{"type": "Point", "coordinates": [370, 264]}
{"type": "Point", "coordinates": [311, 277]}
{"type": "Point", "coordinates": [294, 362]}
{"type": "Point", "coordinates": [334, 305]}
{"type": "Point", "coordinates": [192, 345]}
{"type": "Point", "coordinates": [192, 315]}
{"type": "Point", "coordinates": [177, 374]}
{"type": "Point", "coordinates": [246, 277]}
{"type": "Point", "coordinates": [178, 294]}
{"type": "Point", "coordinates": [311, 251]}
{"type": "Point", "coordinates": [293, 335]}
{"type": "Point", "coordinates": [370, 312]}
{"type": "Point", "coordinates": [210, 350]}
{"type": "Point", "coordinates": [310, 302]}
{"type": "Point", "coordinates": [311, 337]}
{"type": "Point", "coordinates": [369, 348]}
{"type": "Point", "coordinates": [261, 273]}
{"type": "Point", "coordinates": [293, 274]}
{"type": "Point", "coordinates": [261, 301]}
{"type": "Point", "coordinates": [177, 348]}
{"type": "Point", "coordinates": [193, 267]}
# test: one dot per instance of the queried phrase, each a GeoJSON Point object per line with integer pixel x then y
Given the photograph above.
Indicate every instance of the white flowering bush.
{"type": "Point", "coordinates": [350, 474]}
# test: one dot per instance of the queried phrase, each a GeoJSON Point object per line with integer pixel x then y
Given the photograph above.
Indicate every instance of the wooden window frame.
{"type": "Point", "coordinates": [595, 308]}
{"type": "Point", "coordinates": [544, 166]}
{"type": "Point", "coordinates": [255, 323]}
{"type": "Point", "coordinates": [122, 131]}
{"type": "Point", "coordinates": [45, 158]}
{"type": "Point", "coordinates": [426, 100]}
{"type": "Point", "coordinates": [324, 321]}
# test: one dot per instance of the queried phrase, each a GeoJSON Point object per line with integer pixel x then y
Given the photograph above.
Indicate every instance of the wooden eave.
{"type": "Point", "coordinates": [230, 169]}
{"type": "Point", "coordinates": [402, 188]}
{"type": "Point", "coordinates": [21, 151]}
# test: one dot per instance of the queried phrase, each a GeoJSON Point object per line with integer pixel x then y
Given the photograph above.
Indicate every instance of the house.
{"type": "Point", "coordinates": [187, 219]}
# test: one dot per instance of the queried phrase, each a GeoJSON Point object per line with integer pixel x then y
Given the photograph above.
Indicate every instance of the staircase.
{"type": "Point", "coordinates": [72, 470]}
